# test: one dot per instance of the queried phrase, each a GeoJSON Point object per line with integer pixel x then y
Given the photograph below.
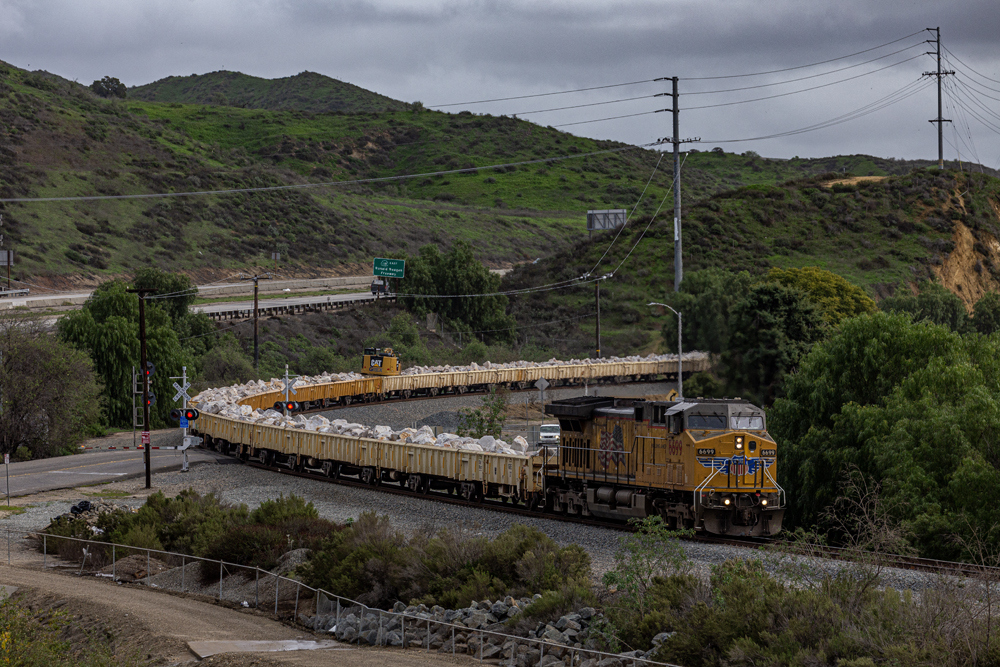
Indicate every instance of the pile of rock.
{"type": "Point", "coordinates": [479, 630]}
{"type": "Point", "coordinates": [89, 512]}
{"type": "Point", "coordinates": [487, 365]}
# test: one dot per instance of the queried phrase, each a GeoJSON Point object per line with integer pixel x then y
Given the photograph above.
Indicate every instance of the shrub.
{"type": "Point", "coordinates": [277, 512]}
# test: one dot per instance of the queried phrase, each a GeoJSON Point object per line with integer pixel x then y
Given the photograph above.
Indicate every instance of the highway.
{"type": "Point", "coordinates": [92, 467]}
{"type": "Point", "coordinates": [289, 301]}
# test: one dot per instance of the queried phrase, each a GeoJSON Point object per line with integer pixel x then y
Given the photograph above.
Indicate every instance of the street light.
{"type": "Point", "coordinates": [680, 374]}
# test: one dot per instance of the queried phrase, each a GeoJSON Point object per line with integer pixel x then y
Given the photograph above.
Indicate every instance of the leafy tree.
{"type": "Point", "coordinates": [912, 405]}
{"type": "Point", "coordinates": [705, 301]}
{"type": "Point", "coordinates": [458, 272]}
{"type": "Point", "coordinates": [986, 314]}
{"type": "Point", "coordinates": [49, 397]}
{"type": "Point", "coordinates": [772, 327]}
{"type": "Point", "coordinates": [174, 291]}
{"type": "Point", "coordinates": [836, 297]}
{"type": "Point", "coordinates": [107, 328]}
{"type": "Point", "coordinates": [488, 418]}
{"type": "Point", "coordinates": [109, 86]}
{"type": "Point", "coordinates": [934, 303]}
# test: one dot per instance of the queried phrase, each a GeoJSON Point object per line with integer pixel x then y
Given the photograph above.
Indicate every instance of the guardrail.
{"type": "Point", "coordinates": [420, 627]}
{"type": "Point", "coordinates": [242, 313]}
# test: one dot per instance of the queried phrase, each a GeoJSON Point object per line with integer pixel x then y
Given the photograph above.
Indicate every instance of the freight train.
{"type": "Point", "coordinates": [704, 464]}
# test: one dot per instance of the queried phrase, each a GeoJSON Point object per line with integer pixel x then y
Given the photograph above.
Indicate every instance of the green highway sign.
{"type": "Point", "coordinates": [388, 268]}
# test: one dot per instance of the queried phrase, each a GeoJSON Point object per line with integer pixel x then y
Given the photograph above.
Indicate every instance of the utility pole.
{"type": "Point", "coordinates": [939, 73]}
{"type": "Point", "coordinates": [676, 141]}
{"type": "Point", "coordinates": [256, 312]}
{"type": "Point", "coordinates": [143, 368]}
{"type": "Point", "coordinates": [597, 298]}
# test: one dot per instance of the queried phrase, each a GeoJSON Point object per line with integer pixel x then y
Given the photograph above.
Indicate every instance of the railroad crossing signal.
{"type": "Point", "coordinates": [289, 384]}
{"type": "Point", "coordinates": [150, 369]}
{"type": "Point", "coordinates": [291, 406]}
{"type": "Point", "coordinates": [184, 416]}
{"type": "Point", "coordinates": [151, 400]}
{"type": "Point", "coordinates": [182, 391]}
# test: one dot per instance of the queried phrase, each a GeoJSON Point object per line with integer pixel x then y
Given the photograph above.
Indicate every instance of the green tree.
{"type": "Point", "coordinates": [914, 406]}
{"type": "Point", "coordinates": [837, 298]}
{"type": "Point", "coordinates": [49, 397]}
{"type": "Point", "coordinates": [451, 276]}
{"type": "Point", "coordinates": [107, 328]}
{"type": "Point", "coordinates": [109, 86]}
{"type": "Point", "coordinates": [772, 327]}
{"type": "Point", "coordinates": [705, 301]}
{"type": "Point", "coordinates": [934, 303]}
{"type": "Point", "coordinates": [986, 314]}
{"type": "Point", "coordinates": [488, 418]}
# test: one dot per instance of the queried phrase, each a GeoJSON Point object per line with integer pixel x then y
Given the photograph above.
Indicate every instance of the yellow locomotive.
{"type": "Point", "coordinates": [706, 464]}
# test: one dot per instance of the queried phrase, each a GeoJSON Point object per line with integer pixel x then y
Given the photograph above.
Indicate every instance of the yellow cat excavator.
{"type": "Point", "coordinates": [380, 361]}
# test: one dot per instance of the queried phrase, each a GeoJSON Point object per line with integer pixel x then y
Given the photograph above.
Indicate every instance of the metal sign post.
{"type": "Point", "coordinates": [290, 382]}
{"type": "Point", "coordinates": [183, 396]}
{"type": "Point", "coordinates": [6, 464]}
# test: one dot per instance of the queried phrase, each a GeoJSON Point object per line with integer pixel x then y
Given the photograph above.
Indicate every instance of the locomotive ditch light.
{"type": "Point", "coordinates": [726, 501]}
{"type": "Point", "coordinates": [764, 502]}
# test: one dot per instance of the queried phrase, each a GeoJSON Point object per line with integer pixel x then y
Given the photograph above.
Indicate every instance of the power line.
{"type": "Point", "coordinates": [590, 104]}
{"type": "Point", "coordinates": [894, 97]}
{"type": "Point", "coordinates": [597, 120]}
{"type": "Point", "coordinates": [969, 67]}
{"type": "Point", "coordinates": [302, 186]}
{"type": "Point", "coordinates": [524, 97]}
{"type": "Point", "coordinates": [789, 69]}
{"type": "Point", "coordinates": [804, 90]}
{"type": "Point", "coordinates": [802, 78]}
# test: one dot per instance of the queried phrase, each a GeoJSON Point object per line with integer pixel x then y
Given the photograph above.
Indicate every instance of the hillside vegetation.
{"type": "Point", "coordinates": [306, 91]}
{"type": "Point", "coordinates": [58, 139]}
{"type": "Point", "coordinates": [882, 235]}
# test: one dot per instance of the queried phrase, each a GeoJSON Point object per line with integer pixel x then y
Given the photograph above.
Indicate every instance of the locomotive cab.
{"type": "Point", "coordinates": [705, 463]}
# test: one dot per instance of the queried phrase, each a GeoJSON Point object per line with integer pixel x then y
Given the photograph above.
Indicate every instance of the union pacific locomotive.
{"type": "Point", "coordinates": [706, 464]}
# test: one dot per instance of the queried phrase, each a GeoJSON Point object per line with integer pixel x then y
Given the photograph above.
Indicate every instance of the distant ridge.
{"type": "Point", "coordinates": [306, 91]}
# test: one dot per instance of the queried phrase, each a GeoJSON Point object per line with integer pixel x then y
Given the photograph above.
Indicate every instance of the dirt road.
{"type": "Point", "coordinates": [159, 625]}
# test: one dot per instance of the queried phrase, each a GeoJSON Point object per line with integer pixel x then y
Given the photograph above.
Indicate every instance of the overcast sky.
{"type": "Point", "coordinates": [460, 51]}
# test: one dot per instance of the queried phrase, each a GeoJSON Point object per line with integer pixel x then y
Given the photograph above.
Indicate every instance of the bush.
{"type": "Point", "coordinates": [282, 510]}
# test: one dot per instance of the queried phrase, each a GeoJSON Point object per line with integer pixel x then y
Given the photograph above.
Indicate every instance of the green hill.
{"type": "Point", "coordinates": [57, 139]}
{"type": "Point", "coordinates": [881, 234]}
{"type": "Point", "coordinates": [306, 91]}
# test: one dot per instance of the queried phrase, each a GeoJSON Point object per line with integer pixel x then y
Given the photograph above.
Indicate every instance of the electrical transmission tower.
{"type": "Point", "coordinates": [939, 73]}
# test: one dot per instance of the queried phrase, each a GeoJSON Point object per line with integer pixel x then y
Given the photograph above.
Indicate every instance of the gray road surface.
{"type": "Point", "coordinates": [91, 467]}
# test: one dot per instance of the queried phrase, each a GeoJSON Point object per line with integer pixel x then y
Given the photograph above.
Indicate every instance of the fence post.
{"type": "Point", "coordinates": [256, 589]}
{"type": "Point", "coordinates": [541, 650]}
{"type": "Point", "coordinates": [297, 586]}
{"type": "Point", "coordinates": [220, 581]}
{"type": "Point", "coordinates": [453, 641]}
{"type": "Point", "coordinates": [378, 637]}
{"type": "Point", "coordinates": [8, 546]}
{"type": "Point", "coordinates": [277, 583]}
{"type": "Point", "coordinates": [428, 635]}
{"type": "Point", "coordinates": [113, 567]}
{"type": "Point", "coordinates": [147, 568]}
{"type": "Point", "coordinates": [183, 572]}
{"type": "Point", "coordinates": [404, 631]}
{"type": "Point", "coordinates": [45, 550]}
{"type": "Point", "coordinates": [337, 622]}
{"type": "Point", "coordinates": [316, 619]}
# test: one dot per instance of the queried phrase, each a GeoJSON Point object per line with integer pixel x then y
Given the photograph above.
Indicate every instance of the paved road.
{"type": "Point", "coordinates": [91, 467]}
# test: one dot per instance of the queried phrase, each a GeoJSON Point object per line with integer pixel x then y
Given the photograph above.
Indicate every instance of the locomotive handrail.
{"type": "Point", "coordinates": [781, 491]}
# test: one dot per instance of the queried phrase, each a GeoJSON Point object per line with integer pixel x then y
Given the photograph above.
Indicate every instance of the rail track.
{"type": "Point", "coordinates": [897, 561]}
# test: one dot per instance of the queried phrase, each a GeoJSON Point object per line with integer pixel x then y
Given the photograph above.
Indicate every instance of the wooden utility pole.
{"type": "Point", "coordinates": [939, 120]}
{"type": "Point", "coordinates": [597, 298]}
{"type": "Point", "coordinates": [144, 369]}
{"type": "Point", "coordinates": [256, 313]}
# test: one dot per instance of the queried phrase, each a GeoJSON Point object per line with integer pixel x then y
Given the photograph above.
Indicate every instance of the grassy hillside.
{"type": "Point", "coordinates": [306, 91]}
{"type": "Point", "coordinates": [58, 139]}
{"type": "Point", "coordinates": [883, 234]}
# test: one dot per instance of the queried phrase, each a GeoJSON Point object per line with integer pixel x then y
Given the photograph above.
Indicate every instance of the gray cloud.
{"type": "Point", "coordinates": [464, 50]}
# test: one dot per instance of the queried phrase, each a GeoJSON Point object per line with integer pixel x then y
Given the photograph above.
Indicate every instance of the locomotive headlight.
{"type": "Point", "coordinates": [726, 501]}
{"type": "Point", "coordinates": [764, 502]}
{"type": "Point", "coordinates": [739, 442]}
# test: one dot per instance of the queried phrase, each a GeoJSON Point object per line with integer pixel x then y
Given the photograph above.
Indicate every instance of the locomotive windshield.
{"type": "Point", "coordinates": [706, 421]}
{"type": "Point", "coordinates": [747, 423]}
